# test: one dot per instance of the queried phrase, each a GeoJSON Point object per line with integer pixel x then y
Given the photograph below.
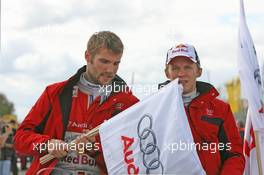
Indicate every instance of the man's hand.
{"type": "Point", "coordinates": [86, 144]}
{"type": "Point", "coordinates": [57, 148]}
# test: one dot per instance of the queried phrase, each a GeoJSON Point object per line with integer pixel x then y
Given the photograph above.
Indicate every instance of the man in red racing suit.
{"type": "Point", "coordinates": [67, 109]}
{"type": "Point", "coordinates": [213, 127]}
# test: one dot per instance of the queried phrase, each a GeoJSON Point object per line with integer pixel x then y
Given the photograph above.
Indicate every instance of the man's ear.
{"type": "Point", "coordinates": [87, 56]}
{"type": "Point", "coordinates": [200, 70]}
{"type": "Point", "coordinates": [166, 70]}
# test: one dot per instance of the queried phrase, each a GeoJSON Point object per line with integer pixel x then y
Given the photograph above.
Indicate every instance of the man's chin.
{"type": "Point", "coordinates": [185, 90]}
{"type": "Point", "coordinates": [105, 82]}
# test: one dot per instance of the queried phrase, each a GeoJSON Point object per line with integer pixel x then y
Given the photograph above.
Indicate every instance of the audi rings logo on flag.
{"type": "Point", "coordinates": [148, 145]}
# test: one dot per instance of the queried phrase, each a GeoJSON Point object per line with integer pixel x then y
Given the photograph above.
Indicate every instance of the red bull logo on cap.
{"type": "Point", "coordinates": [180, 48]}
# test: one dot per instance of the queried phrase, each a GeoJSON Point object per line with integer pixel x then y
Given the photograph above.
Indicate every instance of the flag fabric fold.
{"type": "Point", "coordinates": [151, 137]}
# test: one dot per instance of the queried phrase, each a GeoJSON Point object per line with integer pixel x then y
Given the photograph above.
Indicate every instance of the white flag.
{"type": "Point", "coordinates": [151, 137]}
{"type": "Point", "coordinates": [251, 87]}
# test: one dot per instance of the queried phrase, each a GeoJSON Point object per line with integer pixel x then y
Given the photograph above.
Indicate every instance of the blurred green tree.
{"type": "Point", "coordinates": [6, 107]}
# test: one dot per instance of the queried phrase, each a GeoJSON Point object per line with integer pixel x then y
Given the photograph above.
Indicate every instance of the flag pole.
{"type": "Point", "coordinates": [256, 134]}
{"type": "Point", "coordinates": [49, 157]}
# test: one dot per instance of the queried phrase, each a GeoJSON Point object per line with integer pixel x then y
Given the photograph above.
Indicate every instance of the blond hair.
{"type": "Point", "coordinates": [104, 39]}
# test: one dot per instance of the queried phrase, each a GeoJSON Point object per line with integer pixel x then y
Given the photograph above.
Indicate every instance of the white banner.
{"type": "Point", "coordinates": [252, 90]}
{"type": "Point", "coordinates": [151, 137]}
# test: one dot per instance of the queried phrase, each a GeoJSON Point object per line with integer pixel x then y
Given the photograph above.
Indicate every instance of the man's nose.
{"type": "Point", "coordinates": [110, 68]}
{"type": "Point", "coordinates": [181, 72]}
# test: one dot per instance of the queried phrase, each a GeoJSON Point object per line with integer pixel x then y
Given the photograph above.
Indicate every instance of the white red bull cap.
{"type": "Point", "coordinates": [185, 50]}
